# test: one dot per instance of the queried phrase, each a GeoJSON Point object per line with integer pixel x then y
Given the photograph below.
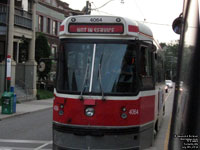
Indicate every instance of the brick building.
{"type": "Point", "coordinates": [20, 21]}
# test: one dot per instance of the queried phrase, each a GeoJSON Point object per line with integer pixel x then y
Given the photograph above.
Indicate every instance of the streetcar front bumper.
{"type": "Point", "coordinates": [88, 137]}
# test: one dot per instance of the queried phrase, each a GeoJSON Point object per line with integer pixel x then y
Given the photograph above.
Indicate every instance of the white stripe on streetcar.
{"type": "Point", "coordinates": [141, 94]}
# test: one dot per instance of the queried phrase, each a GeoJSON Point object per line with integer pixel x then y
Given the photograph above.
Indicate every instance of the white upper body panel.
{"type": "Point", "coordinates": [104, 27]}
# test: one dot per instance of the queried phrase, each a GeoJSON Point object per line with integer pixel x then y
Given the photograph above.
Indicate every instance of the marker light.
{"type": "Point", "coordinates": [132, 28]}
{"type": "Point", "coordinates": [118, 20]}
{"type": "Point", "coordinates": [62, 28]}
{"type": "Point", "coordinates": [89, 112]}
{"type": "Point", "coordinates": [56, 108]}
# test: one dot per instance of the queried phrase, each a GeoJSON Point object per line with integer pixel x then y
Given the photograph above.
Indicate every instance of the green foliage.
{"type": "Point", "coordinates": [171, 57]}
{"type": "Point", "coordinates": [42, 50]}
{"type": "Point", "coordinates": [163, 45]}
{"type": "Point", "coordinates": [44, 94]}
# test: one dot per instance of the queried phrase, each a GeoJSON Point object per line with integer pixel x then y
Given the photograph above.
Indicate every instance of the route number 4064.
{"type": "Point", "coordinates": [96, 19]}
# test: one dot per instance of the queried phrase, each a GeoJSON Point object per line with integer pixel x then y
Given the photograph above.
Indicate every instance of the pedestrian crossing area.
{"type": "Point", "coordinates": [13, 144]}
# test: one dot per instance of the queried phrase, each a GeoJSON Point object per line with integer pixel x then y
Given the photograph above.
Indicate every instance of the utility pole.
{"type": "Point", "coordinates": [88, 8]}
{"type": "Point", "coordinates": [6, 43]}
{"type": "Point", "coordinates": [10, 43]}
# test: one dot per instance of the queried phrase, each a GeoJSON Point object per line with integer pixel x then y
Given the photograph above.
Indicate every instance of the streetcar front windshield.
{"type": "Point", "coordinates": [93, 68]}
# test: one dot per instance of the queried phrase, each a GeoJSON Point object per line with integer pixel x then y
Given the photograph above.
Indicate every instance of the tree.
{"type": "Point", "coordinates": [42, 50]}
{"type": "Point", "coordinates": [171, 54]}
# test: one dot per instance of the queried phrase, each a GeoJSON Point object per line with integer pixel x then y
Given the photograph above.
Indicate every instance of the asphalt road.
{"type": "Point", "coordinates": [161, 139]}
{"type": "Point", "coordinates": [31, 131]}
{"type": "Point", "coordinates": [34, 131]}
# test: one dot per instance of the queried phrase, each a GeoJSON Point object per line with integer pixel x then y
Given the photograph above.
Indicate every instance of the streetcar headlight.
{"type": "Point", "coordinates": [123, 109]}
{"type": "Point", "coordinates": [124, 115]}
{"type": "Point", "coordinates": [89, 112]}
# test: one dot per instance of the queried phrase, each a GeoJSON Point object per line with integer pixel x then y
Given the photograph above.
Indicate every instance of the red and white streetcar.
{"type": "Point", "coordinates": [110, 85]}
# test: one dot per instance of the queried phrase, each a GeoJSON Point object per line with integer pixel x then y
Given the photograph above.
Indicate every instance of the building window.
{"type": "Point", "coordinates": [48, 25]}
{"type": "Point", "coordinates": [40, 23]}
{"type": "Point", "coordinates": [55, 27]}
{"type": "Point", "coordinates": [2, 51]}
{"type": "Point", "coordinates": [18, 3]}
{"type": "Point", "coordinates": [53, 51]}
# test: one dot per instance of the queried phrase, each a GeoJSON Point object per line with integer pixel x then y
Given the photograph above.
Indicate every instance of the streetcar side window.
{"type": "Point", "coordinates": [146, 67]}
{"type": "Point", "coordinates": [159, 69]}
{"type": "Point", "coordinates": [145, 62]}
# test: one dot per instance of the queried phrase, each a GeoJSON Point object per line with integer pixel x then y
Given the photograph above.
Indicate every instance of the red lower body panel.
{"type": "Point", "coordinates": [107, 112]}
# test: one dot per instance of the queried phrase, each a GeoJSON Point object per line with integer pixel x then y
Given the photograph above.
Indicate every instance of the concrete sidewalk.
{"type": "Point", "coordinates": [28, 107]}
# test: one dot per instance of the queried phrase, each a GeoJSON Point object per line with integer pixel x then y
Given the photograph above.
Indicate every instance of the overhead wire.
{"type": "Point", "coordinates": [153, 23]}
{"type": "Point", "coordinates": [95, 7]}
{"type": "Point", "coordinates": [104, 12]}
{"type": "Point", "coordinates": [103, 5]}
{"type": "Point", "coordinates": [140, 10]}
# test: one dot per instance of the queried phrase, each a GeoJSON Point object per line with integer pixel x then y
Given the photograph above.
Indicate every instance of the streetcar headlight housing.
{"type": "Point", "coordinates": [61, 112]}
{"type": "Point", "coordinates": [89, 112]}
{"type": "Point", "coordinates": [124, 115]}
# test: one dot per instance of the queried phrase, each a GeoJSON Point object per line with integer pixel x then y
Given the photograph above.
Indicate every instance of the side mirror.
{"type": "Point", "coordinates": [177, 24]}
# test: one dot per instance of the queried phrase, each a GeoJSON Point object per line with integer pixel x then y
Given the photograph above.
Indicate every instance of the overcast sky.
{"type": "Point", "coordinates": [158, 14]}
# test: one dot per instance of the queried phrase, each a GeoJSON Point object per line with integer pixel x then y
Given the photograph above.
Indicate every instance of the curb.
{"type": "Point", "coordinates": [24, 113]}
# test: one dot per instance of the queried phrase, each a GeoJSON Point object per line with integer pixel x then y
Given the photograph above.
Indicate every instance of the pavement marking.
{"type": "Point", "coordinates": [23, 141]}
{"type": "Point", "coordinates": [168, 128]}
{"type": "Point", "coordinates": [17, 148]}
{"type": "Point", "coordinates": [42, 146]}
{"type": "Point", "coordinates": [44, 143]}
{"type": "Point", "coordinates": [168, 95]}
{"type": "Point", "coordinates": [167, 135]}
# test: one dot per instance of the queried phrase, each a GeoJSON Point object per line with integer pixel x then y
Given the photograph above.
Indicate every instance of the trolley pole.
{"type": "Point", "coordinates": [88, 8]}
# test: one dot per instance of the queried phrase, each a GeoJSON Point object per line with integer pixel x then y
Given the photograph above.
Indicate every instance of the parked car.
{"type": "Point", "coordinates": [169, 83]}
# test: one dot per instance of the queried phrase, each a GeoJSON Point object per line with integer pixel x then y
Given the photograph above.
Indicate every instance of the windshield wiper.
{"type": "Point", "coordinates": [85, 79]}
{"type": "Point", "coordinates": [99, 76]}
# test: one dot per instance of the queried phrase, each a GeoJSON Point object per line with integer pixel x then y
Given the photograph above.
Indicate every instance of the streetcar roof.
{"type": "Point", "coordinates": [131, 29]}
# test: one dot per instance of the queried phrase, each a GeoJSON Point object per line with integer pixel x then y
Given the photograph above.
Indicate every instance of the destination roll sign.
{"type": "Point", "coordinates": [96, 28]}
